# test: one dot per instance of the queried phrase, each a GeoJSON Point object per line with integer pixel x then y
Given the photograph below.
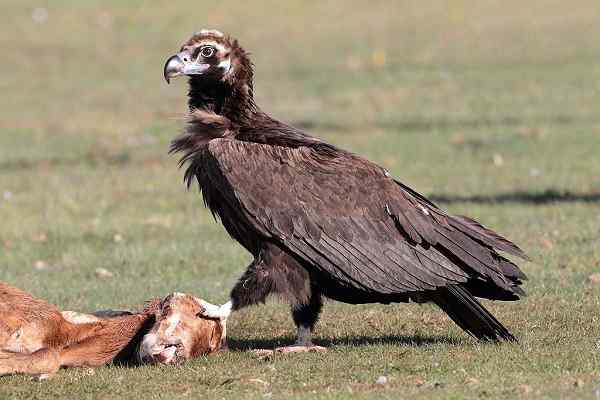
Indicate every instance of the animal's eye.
{"type": "Point", "coordinates": [207, 51]}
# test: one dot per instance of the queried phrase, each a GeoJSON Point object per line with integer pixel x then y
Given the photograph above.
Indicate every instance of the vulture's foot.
{"type": "Point", "coordinates": [297, 348]}
{"type": "Point", "coordinates": [262, 353]}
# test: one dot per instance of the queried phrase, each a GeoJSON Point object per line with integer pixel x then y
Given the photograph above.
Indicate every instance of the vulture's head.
{"type": "Point", "coordinates": [210, 57]}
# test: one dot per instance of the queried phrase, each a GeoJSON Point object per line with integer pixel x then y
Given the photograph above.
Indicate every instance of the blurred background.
{"type": "Point", "coordinates": [488, 107]}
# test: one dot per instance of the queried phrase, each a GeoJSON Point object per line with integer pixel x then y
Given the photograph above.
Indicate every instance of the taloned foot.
{"type": "Point", "coordinates": [267, 353]}
{"type": "Point", "coordinates": [296, 348]}
{"type": "Point", "coordinates": [303, 344]}
{"type": "Point", "coordinates": [262, 353]}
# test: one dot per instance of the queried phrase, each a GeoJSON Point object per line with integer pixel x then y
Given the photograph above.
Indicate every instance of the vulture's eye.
{"type": "Point", "coordinates": [207, 51]}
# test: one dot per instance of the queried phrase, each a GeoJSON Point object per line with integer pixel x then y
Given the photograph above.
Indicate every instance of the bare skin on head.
{"type": "Point", "coordinates": [37, 339]}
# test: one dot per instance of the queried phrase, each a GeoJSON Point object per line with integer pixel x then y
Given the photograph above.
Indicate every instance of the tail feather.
{"type": "Point", "coordinates": [470, 315]}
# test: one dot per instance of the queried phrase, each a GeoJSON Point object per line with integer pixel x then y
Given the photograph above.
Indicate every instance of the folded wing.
{"type": "Point", "coordinates": [348, 218]}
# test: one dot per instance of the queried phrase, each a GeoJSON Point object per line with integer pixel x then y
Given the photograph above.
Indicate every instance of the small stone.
{"type": "Point", "coordinates": [472, 381]}
{"type": "Point", "coordinates": [579, 383]}
{"type": "Point", "coordinates": [40, 238]}
{"type": "Point", "coordinates": [105, 20]}
{"type": "Point", "coordinates": [458, 139]}
{"type": "Point", "coordinates": [534, 172]}
{"type": "Point", "coordinates": [259, 381]}
{"type": "Point", "coordinates": [165, 221]}
{"type": "Point", "coordinates": [103, 273]}
{"type": "Point", "coordinates": [118, 238]}
{"type": "Point", "coordinates": [40, 265]}
{"type": "Point", "coordinates": [533, 132]}
{"type": "Point", "coordinates": [382, 380]}
{"type": "Point", "coordinates": [419, 382]}
{"type": "Point", "coordinates": [354, 63]}
{"type": "Point", "coordinates": [523, 389]}
{"type": "Point", "coordinates": [498, 160]}
{"type": "Point", "coordinates": [39, 15]}
{"type": "Point", "coordinates": [7, 195]}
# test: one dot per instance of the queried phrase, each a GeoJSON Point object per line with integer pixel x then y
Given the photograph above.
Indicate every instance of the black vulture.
{"type": "Point", "coordinates": [321, 221]}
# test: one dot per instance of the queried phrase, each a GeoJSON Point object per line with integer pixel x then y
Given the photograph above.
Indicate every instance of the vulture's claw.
{"type": "Point", "coordinates": [300, 349]}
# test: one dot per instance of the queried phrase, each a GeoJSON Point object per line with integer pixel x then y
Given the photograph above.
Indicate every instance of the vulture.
{"type": "Point", "coordinates": [320, 221]}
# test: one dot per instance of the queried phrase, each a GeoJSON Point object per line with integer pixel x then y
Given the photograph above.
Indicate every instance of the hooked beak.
{"type": "Point", "coordinates": [182, 64]}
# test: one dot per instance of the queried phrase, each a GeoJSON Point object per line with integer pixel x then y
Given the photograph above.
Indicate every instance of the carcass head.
{"type": "Point", "coordinates": [180, 331]}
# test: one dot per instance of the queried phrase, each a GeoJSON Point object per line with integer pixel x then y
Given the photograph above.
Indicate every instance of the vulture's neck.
{"type": "Point", "coordinates": [219, 110]}
{"type": "Point", "coordinates": [234, 102]}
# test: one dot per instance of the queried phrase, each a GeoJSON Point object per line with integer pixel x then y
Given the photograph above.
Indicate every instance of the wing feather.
{"type": "Point", "coordinates": [346, 217]}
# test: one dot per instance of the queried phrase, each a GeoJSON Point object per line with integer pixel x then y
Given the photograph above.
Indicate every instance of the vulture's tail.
{"type": "Point", "coordinates": [470, 315]}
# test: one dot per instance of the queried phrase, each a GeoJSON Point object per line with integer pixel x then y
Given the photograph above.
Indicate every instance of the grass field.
{"type": "Point", "coordinates": [490, 108]}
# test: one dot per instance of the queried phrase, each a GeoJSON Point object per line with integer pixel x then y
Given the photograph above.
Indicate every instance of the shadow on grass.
{"type": "Point", "coordinates": [89, 158]}
{"type": "Point", "coordinates": [429, 124]}
{"type": "Point", "coordinates": [237, 344]}
{"type": "Point", "coordinates": [548, 196]}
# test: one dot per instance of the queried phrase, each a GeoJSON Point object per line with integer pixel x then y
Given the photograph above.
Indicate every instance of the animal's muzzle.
{"type": "Point", "coordinates": [152, 351]}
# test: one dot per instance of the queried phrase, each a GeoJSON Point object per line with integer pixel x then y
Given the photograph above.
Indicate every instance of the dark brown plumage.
{"type": "Point", "coordinates": [321, 221]}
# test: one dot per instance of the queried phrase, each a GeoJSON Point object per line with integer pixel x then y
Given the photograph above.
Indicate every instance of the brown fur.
{"type": "Point", "coordinates": [37, 339]}
{"type": "Point", "coordinates": [191, 336]}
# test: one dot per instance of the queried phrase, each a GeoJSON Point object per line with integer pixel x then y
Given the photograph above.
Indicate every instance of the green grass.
{"type": "Point", "coordinates": [85, 122]}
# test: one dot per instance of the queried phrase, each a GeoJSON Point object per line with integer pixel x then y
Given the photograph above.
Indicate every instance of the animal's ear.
{"type": "Point", "coordinates": [216, 337]}
{"type": "Point", "coordinates": [202, 311]}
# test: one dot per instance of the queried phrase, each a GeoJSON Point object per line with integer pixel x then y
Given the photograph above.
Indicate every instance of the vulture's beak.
{"type": "Point", "coordinates": [182, 64]}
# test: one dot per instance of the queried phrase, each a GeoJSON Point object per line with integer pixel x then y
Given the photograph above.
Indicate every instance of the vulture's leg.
{"type": "Point", "coordinates": [274, 271]}
{"type": "Point", "coordinates": [252, 288]}
{"type": "Point", "coordinates": [305, 317]}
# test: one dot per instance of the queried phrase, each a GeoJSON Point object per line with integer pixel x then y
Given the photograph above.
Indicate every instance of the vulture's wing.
{"type": "Point", "coordinates": [350, 219]}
